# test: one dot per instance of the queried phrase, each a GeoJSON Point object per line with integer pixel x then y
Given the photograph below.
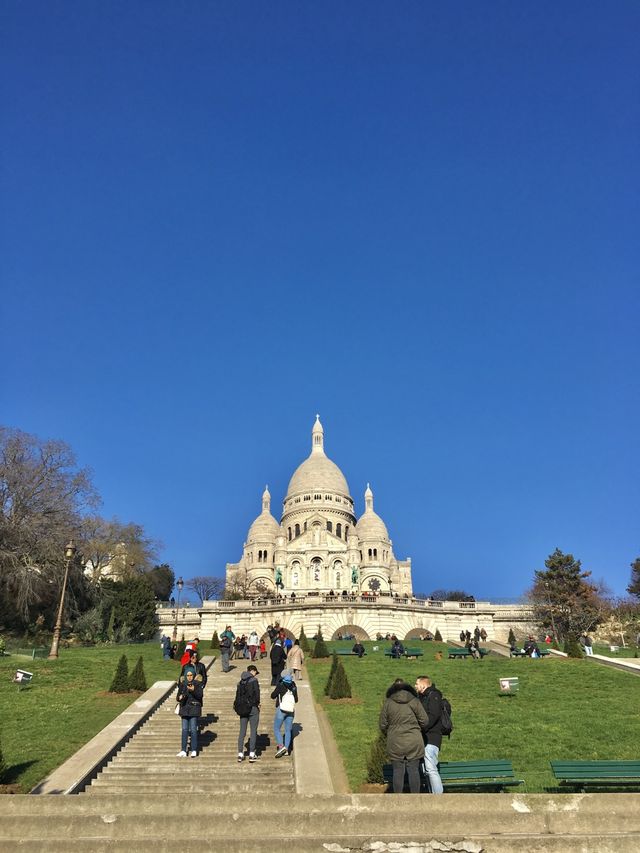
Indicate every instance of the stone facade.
{"type": "Point", "coordinates": [319, 545]}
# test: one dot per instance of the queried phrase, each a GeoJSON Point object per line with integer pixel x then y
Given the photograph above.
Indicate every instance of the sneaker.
{"type": "Point", "coordinates": [192, 754]}
{"type": "Point", "coordinates": [181, 754]}
{"type": "Point", "coordinates": [241, 756]}
{"type": "Point", "coordinates": [282, 750]}
{"type": "Point", "coordinates": [252, 757]}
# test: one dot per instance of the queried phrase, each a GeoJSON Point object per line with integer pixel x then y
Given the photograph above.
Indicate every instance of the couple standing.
{"type": "Point", "coordinates": [247, 706]}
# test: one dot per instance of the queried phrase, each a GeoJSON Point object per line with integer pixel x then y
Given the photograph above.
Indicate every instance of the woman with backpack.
{"type": "Point", "coordinates": [286, 696]}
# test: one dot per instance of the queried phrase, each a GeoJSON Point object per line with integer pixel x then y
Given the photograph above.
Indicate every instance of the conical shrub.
{"type": "Point", "coordinates": [437, 636]}
{"type": "Point", "coordinates": [215, 641]}
{"type": "Point", "coordinates": [304, 642]}
{"type": "Point", "coordinates": [340, 687]}
{"type": "Point", "coordinates": [376, 759]}
{"type": "Point", "coordinates": [182, 645]}
{"type": "Point", "coordinates": [137, 680]}
{"type": "Point", "coordinates": [512, 637]}
{"type": "Point", "coordinates": [332, 672]}
{"type": "Point", "coordinates": [572, 648]}
{"type": "Point", "coordinates": [321, 649]}
{"type": "Point", "coordinates": [120, 683]}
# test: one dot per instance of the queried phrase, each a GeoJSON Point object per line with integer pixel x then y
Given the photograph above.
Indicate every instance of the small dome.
{"type": "Point", "coordinates": [265, 527]}
{"type": "Point", "coordinates": [317, 472]}
{"type": "Point", "coordinates": [370, 525]}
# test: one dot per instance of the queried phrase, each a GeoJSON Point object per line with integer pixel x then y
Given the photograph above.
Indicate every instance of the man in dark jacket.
{"type": "Point", "coordinates": [251, 714]}
{"type": "Point", "coordinates": [358, 649]}
{"type": "Point", "coordinates": [402, 720]}
{"type": "Point", "coordinates": [431, 699]}
{"type": "Point", "coordinates": [278, 657]}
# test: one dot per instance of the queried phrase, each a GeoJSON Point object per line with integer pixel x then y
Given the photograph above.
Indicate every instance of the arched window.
{"type": "Point", "coordinates": [305, 525]}
{"type": "Point", "coordinates": [346, 531]}
{"type": "Point", "coordinates": [289, 531]}
{"type": "Point", "coordinates": [339, 530]}
{"type": "Point", "coordinates": [294, 579]}
{"type": "Point", "coordinates": [265, 556]}
{"type": "Point", "coordinates": [259, 556]}
{"type": "Point", "coordinates": [316, 565]}
{"type": "Point", "coordinates": [330, 526]}
{"type": "Point", "coordinates": [297, 530]}
{"type": "Point", "coordinates": [337, 567]}
{"type": "Point", "coordinates": [370, 553]}
{"type": "Point", "coordinates": [295, 573]}
{"type": "Point", "coordinates": [337, 580]}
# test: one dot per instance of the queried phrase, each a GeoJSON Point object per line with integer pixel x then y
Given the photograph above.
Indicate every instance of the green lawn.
{"type": "Point", "coordinates": [564, 709]}
{"type": "Point", "coordinates": [67, 704]}
{"type": "Point", "coordinates": [626, 652]}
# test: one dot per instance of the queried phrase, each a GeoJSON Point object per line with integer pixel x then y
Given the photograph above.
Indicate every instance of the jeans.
{"type": "Point", "coordinates": [431, 752]}
{"type": "Point", "coordinates": [190, 727]}
{"type": "Point", "coordinates": [413, 771]}
{"type": "Point", "coordinates": [252, 720]}
{"type": "Point", "coordinates": [278, 720]}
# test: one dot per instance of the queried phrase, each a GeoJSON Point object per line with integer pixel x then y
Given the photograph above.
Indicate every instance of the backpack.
{"type": "Point", "coordinates": [446, 723]}
{"type": "Point", "coordinates": [288, 702]}
{"type": "Point", "coordinates": [242, 704]}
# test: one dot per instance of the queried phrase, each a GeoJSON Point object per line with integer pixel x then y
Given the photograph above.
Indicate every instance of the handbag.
{"type": "Point", "coordinates": [176, 710]}
{"type": "Point", "coordinates": [288, 702]}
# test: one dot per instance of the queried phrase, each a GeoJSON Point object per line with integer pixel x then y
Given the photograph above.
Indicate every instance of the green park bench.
{"type": "Point", "coordinates": [520, 654]}
{"type": "Point", "coordinates": [489, 774]}
{"type": "Point", "coordinates": [465, 653]}
{"type": "Point", "coordinates": [408, 653]}
{"type": "Point", "coordinates": [345, 652]}
{"type": "Point", "coordinates": [600, 774]}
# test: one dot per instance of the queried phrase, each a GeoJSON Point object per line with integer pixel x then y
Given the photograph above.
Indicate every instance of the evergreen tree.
{"type": "Point", "coordinates": [512, 637]}
{"type": "Point", "coordinates": [182, 645]}
{"type": "Point", "coordinates": [137, 680]}
{"type": "Point", "coordinates": [377, 759]}
{"type": "Point", "coordinates": [320, 650]}
{"type": "Point", "coordinates": [304, 642]}
{"type": "Point", "coordinates": [437, 636]}
{"type": "Point", "coordinates": [332, 672]}
{"type": "Point", "coordinates": [340, 687]}
{"type": "Point", "coordinates": [634, 585]}
{"type": "Point", "coordinates": [572, 648]}
{"type": "Point", "coordinates": [120, 683]}
{"type": "Point", "coordinates": [215, 641]}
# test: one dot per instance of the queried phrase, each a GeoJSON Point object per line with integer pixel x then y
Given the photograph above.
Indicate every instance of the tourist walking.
{"type": "Point", "coordinates": [286, 696]}
{"type": "Point", "coordinates": [295, 660]}
{"type": "Point", "coordinates": [403, 720]}
{"type": "Point", "coordinates": [431, 699]}
{"type": "Point", "coordinates": [226, 646]}
{"type": "Point", "coordinates": [189, 699]}
{"type": "Point", "coordinates": [199, 669]}
{"type": "Point", "coordinates": [254, 643]}
{"type": "Point", "coordinates": [247, 707]}
{"type": "Point", "coordinates": [278, 658]}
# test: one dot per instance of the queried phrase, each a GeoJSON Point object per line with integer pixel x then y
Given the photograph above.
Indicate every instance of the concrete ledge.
{"type": "Point", "coordinates": [77, 771]}
{"type": "Point", "coordinates": [310, 765]}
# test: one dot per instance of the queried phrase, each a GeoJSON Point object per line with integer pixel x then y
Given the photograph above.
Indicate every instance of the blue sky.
{"type": "Point", "coordinates": [418, 219]}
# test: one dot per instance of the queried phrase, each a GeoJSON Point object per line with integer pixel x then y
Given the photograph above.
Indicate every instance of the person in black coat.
{"type": "Point", "coordinates": [278, 657]}
{"type": "Point", "coordinates": [431, 699]}
{"type": "Point", "coordinates": [358, 649]}
{"type": "Point", "coordinates": [189, 699]}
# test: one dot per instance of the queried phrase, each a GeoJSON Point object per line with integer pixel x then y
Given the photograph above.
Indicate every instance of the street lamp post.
{"type": "Point", "coordinates": [179, 585]}
{"type": "Point", "coordinates": [69, 553]}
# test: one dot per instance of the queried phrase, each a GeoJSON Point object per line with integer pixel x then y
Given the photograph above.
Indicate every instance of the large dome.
{"type": "Point", "coordinates": [317, 472]}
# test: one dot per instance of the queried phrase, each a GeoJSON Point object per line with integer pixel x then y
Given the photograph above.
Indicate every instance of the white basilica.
{"type": "Point", "coordinates": [319, 546]}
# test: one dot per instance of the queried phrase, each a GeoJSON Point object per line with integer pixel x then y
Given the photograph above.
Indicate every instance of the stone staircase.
{"type": "Point", "coordinates": [148, 763]}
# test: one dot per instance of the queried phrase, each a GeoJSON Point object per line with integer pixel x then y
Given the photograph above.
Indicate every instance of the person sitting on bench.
{"type": "Point", "coordinates": [397, 649]}
{"type": "Point", "coordinates": [358, 649]}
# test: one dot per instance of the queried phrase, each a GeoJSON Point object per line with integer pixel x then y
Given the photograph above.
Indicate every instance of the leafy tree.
{"type": "Point", "coordinates": [120, 683]}
{"type": "Point", "coordinates": [116, 550]}
{"type": "Point", "coordinates": [376, 759]}
{"type": "Point", "coordinates": [137, 679]}
{"type": "Point", "coordinates": [206, 587]}
{"type": "Point", "coordinates": [512, 637]}
{"type": "Point", "coordinates": [340, 687]}
{"type": "Point", "coordinates": [133, 605]}
{"type": "Point", "coordinates": [162, 579]}
{"type": "Point", "coordinates": [437, 636]}
{"type": "Point", "coordinates": [88, 628]}
{"type": "Point", "coordinates": [564, 601]}
{"type": "Point", "coordinates": [332, 672]}
{"type": "Point", "coordinates": [634, 584]}
{"type": "Point", "coordinates": [42, 496]}
{"type": "Point", "coordinates": [215, 641]}
{"type": "Point", "coordinates": [320, 649]}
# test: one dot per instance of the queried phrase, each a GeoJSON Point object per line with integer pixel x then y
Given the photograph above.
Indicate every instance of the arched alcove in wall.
{"type": "Point", "coordinates": [354, 630]}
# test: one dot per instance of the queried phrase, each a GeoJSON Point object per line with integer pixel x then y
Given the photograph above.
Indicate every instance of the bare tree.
{"type": "Point", "coordinates": [206, 587]}
{"type": "Point", "coordinates": [114, 549]}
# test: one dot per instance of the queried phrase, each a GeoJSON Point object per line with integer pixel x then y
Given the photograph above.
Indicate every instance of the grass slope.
{"type": "Point", "coordinates": [66, 706]}
{"type": "Point", "coordinates": [565, 709]}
